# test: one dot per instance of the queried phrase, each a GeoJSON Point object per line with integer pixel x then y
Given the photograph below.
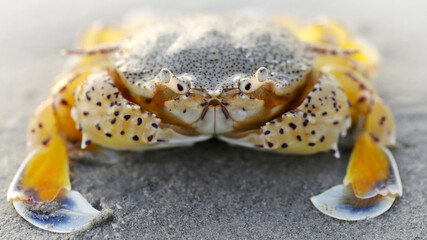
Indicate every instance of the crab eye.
{"type": "Point", "coordinates": [180, 87]}
{"type": "Point", "coordinates": [177, 85]}
{"type": "Point", "coordinates": [251, 84]}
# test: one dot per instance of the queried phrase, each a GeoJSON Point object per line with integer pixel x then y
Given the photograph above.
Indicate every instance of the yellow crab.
{"type": "Point", "coordinates": [279, 85]}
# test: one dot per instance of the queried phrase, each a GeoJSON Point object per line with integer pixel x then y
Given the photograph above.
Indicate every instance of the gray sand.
{"type": "Point", "coordinates": [212, 190]}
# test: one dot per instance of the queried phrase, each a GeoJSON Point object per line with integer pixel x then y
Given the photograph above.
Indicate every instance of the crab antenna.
{"type": "Point", "coordinates": [91, 51]}
{"type": "Point", "coordinates": [329, 50]}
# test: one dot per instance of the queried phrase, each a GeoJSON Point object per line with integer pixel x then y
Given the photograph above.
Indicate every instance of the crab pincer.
{"type": "Point", "coordinates": [41, 190]}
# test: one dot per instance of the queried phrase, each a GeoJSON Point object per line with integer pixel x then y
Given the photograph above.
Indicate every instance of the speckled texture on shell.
{"type": "Point", "coordinates": [213, 51]}
{"type": "Point", "coordinates": [107, 119]}
{"type": "Point", "coordinates": [316, 125]}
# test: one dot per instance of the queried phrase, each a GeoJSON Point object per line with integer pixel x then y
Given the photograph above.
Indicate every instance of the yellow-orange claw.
{"type": "Point", "coordinates": [372, 170]}
{"type": "Point", "coordinates": [44, 175]}
{"type": "Point", "coordinates": [370, 187]}
{"type": "Point", "coordinates": [41, 191]}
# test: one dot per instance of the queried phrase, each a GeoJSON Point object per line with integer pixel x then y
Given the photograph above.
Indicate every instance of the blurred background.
{"type": "Point", "coordinates": [33, 30]}
{"type": "Point", "coordinates": [200, 191]}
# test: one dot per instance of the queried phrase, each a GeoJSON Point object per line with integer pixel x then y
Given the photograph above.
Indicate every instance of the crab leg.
{"type": "Point", "coordinates": [330, 39]}
{"type": "Point", "coordinates": [41, 189]}
{"type": "Point", "coordinates": [372, 181]}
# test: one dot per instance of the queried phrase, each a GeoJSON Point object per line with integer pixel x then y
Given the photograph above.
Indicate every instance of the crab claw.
{"type": "Point", "coordinates": [41, 191]}
{"type": "Point", "coordinates": [391, 185]}
{"type": "Point", "coordinates": [73, 213]}
{"type": "Point", "coordinates": [370, 187]}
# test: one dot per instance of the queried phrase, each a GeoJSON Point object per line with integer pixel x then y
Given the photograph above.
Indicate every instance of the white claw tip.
{"type": "Point", "coordinates": [75, 212]}
{"type": "Point", "coordinates": [340, 203]}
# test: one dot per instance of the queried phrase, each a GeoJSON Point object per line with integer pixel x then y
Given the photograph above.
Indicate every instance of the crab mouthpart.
{"type": "Point", "coordinates": [214, 118]}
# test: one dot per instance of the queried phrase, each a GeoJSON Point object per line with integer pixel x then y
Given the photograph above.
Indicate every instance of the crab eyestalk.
{"type": "Point", "coordinates": [179, 86]}
{"type": "Point", "coordinates": [248, 85]}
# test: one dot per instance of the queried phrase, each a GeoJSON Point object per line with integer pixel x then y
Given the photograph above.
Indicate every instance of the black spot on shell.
{"type": "Point", "coordinates": [46, 141]}
{"type": "Point", "coordinates": [382, 120]}
{"type": "Point", "coordinates": [374, 137]}
{"type": "Point", "coordinates": [284, 145]}
{"type": "Point", "coordinates": [305, 123]}
{"type": "Point", "coordinates": [87, 96]}
{"type": "Point", "coordinates": [63, 89]}
{"type": "Point", "coordinates": [126, 117]}
{"type": "Point", "coordinates": [135, 138]}
{"type": "Point", "coordinates": [293, 126]}
{"type": "Point", "coordinates": [64, 102]}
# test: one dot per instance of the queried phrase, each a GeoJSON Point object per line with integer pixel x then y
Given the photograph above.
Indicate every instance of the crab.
{"type": "Point", "coordinates": [281, 85]}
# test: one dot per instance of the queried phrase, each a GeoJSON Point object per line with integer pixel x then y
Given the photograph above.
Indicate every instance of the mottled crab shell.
{"type": "Point", "coordinates": [212, 52]}
{"type": "Point", "coordinates": [213, 58]}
